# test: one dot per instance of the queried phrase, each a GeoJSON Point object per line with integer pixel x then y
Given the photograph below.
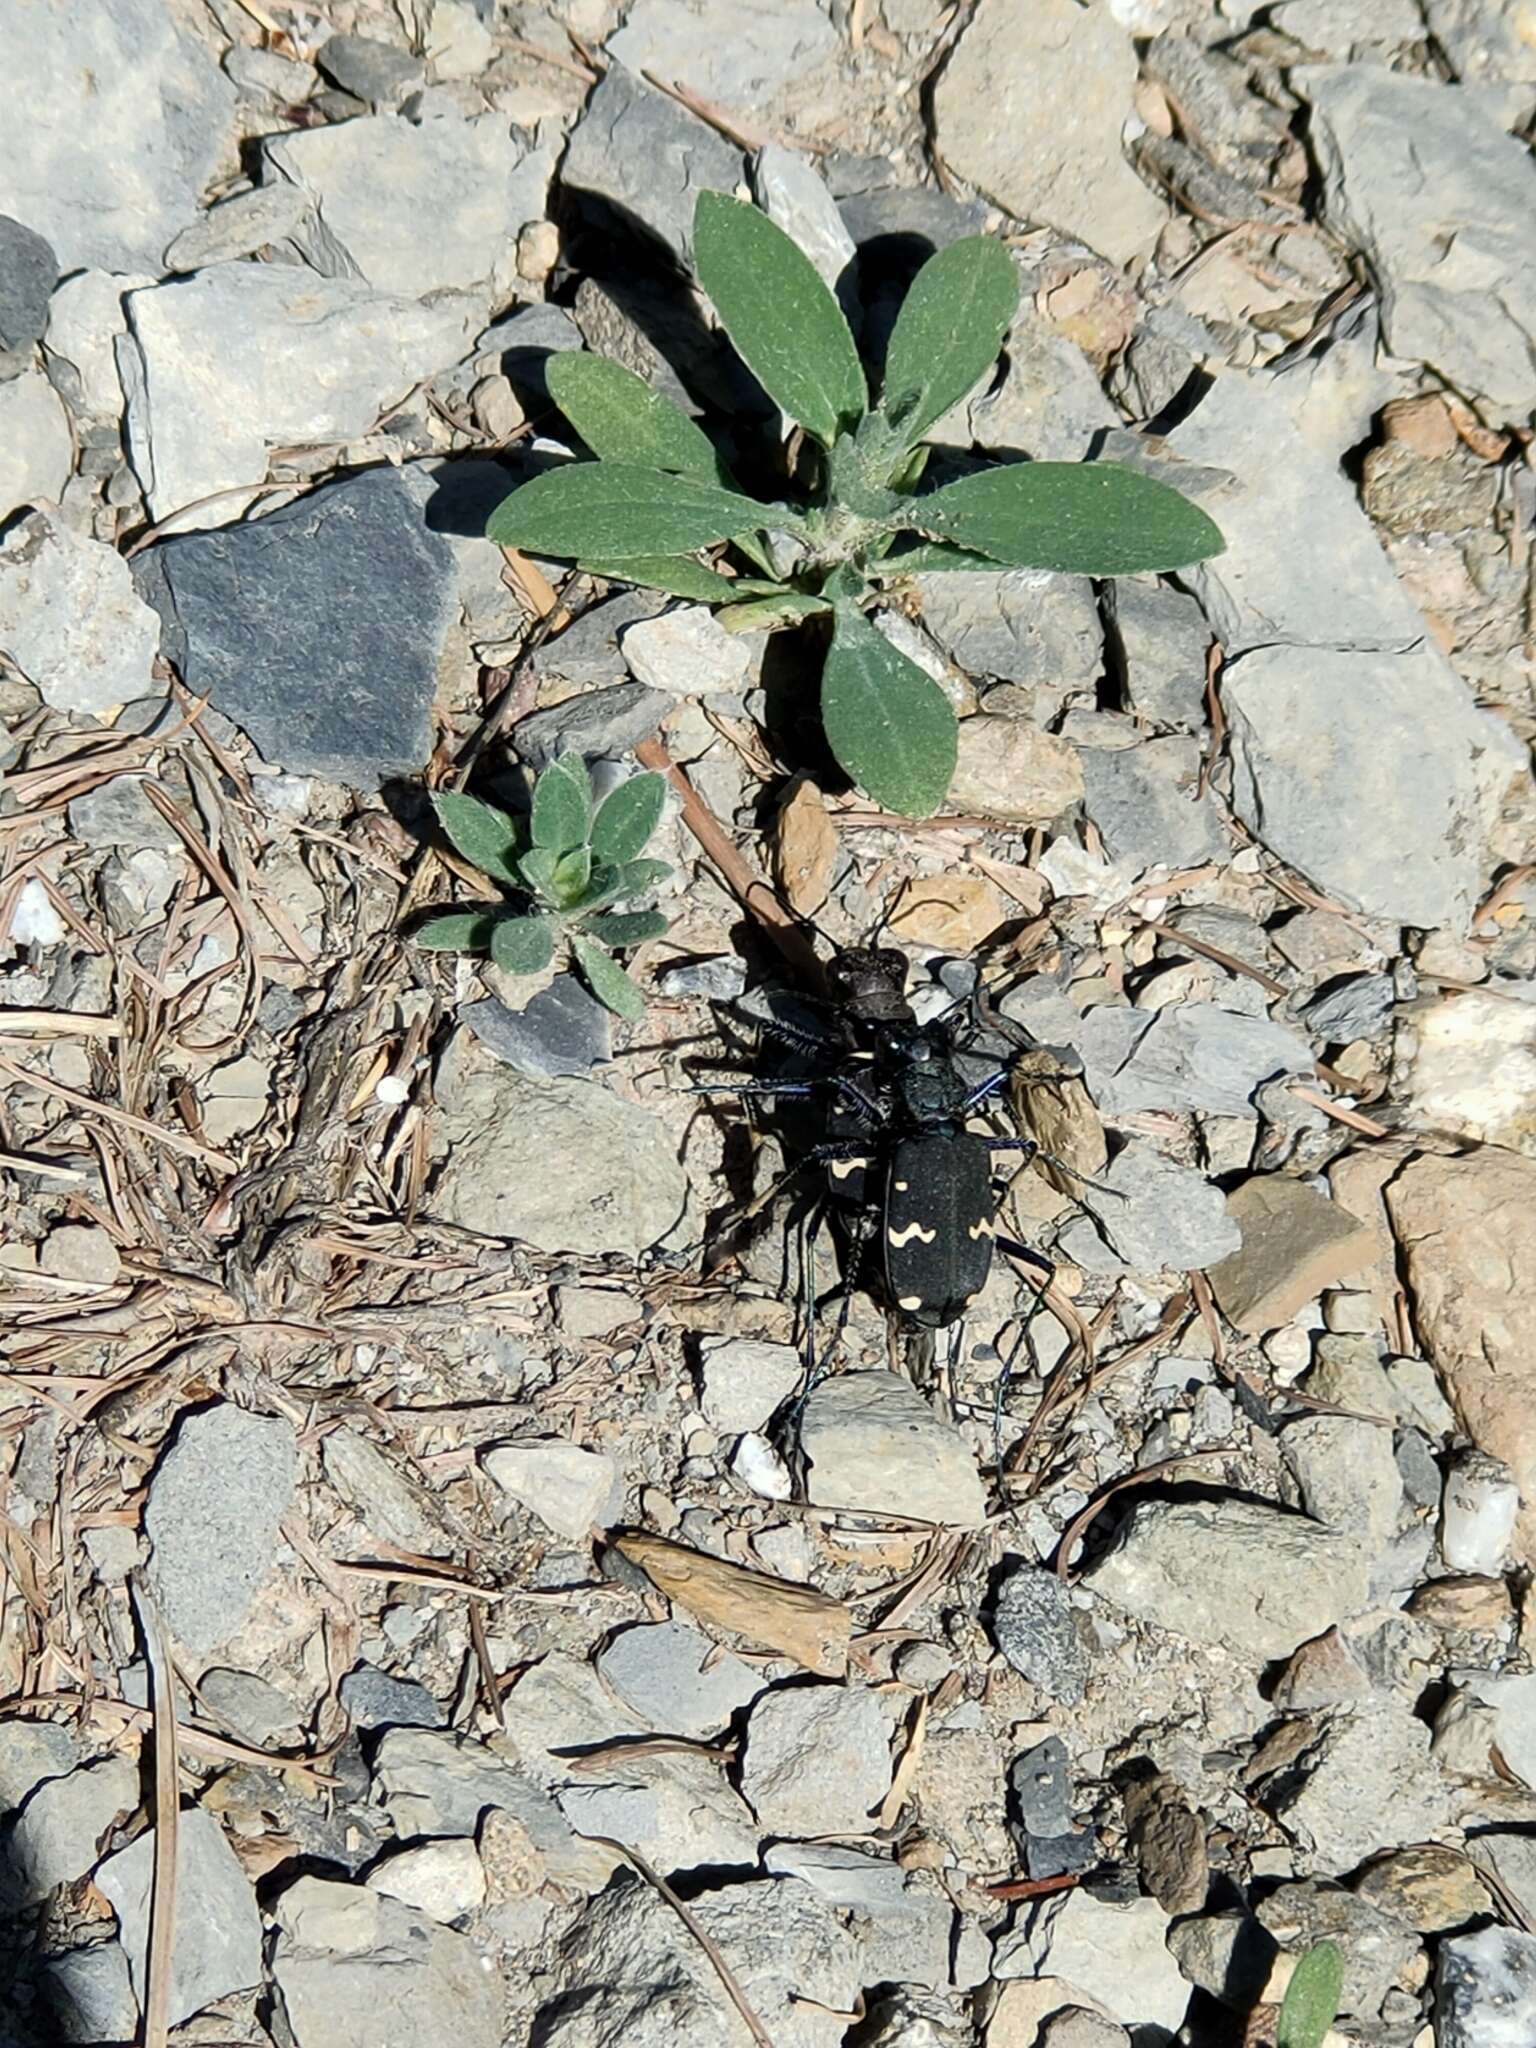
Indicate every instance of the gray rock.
{"type": "Point", "coordinates": [677, 1810]}
{"type": "Point", "coordinates": [676, 1680]}
{"type": "Point", "coordinates": [1483, 40]}
{"type": "Point", "coordinates": [1369, 1783]}
{"type": "Point", "coordinates": [586, 655]}
{"type": "Point", "coordinates": [904, 1930]}
{"type": "Point", "coordinates": [998, 113]}
{"type": "Point", "coordinates": [1194, 1056]}
{"type": "Point", "coordinates": [58, 1833]}
{"type": "Point", "coordinates": [127, 117]}
{"type": "Point", "coordinates": [1347, 1474]}
{"type": "Point", "coordinates": [318, 629]}
{"type": "Point", "coordinates": [743, 1381]}
{"type": "Point", "coordinates": [564, 1030]}
{"type": "Point", "coordinates": [639, 153]}
{"type": "Point", "coordinates": [799, 1966]}
{"type": "Point", "coordinates": [354, 1968]}
{"type": "Point", "coordinates": [238, 227]}
{"type": "Point", "coordinates": [378, 73]}
{"type": "Point", "coordinates": [1163, 641]}
{"type": "Point", "coordinates": [1422, 178]}
{"type": "Point", "coordinates": [1374, 774]}
{"type": "Point", "coordinates": [912, 214]}
{"type": "Point", "coordinates": [368, 184]}
{"type": "Point", "coordinates": [37, 450]}
{"type": "Point", "coordinates": [88, 1994]}
{"type": "Point", "coordinates": [29, 270]}
{"type": "Point", "coordinates": [1227, 1954]}
{"type": "Point", "coordinates": [1022, 625]}
{"type": "Point", "coordinates": [1076, 2027]}
{"type": "Point", "coordinates": [718, 979]}
{"type": "Point", "coordinates": [566, 1487]}
{"type": "Point", "coordinates": [1034, 1627]}
{"type": "Point", "coordinates": [384, 1499]}
{"type": "Point", "coordinates": [793, 194]}
{"type": "Point", "coordinates": [1359, 1006]}
{"type": "Point", "coordinates": [256, 1710]}
{"type": "Point", "coordinates": [85, 318]}
{"type": "Point", "coordinates": [268, 75]}
{"type": "Point", "coordinates": [871, 1441]}
{"type": "Point", "coordinates": [1511, 1857]}
{"type": "Point", "coordinates": [215, 1502]}
{"type": "Point", "coordinates": [1144, 801]}
{"type": "Point", "coordinates": [118, 813]}
{"type": "Point", "coordinates": [721, 51]}
{"type": "Point", "coordinates": [1114, 1953]}
{"type": "Point", "coordinates": [601, 725]}
{"type": "Point", "coordinates": [1159, 1215]}
{"type": "Point", "coordinates": [1376, 1946]}
{"type": "Point", "coordinates": [620, 1188]}
{"type": "Point", "coordinates": [683, 652]}
{"type": "Point", "coordinates": [30, 1752]}
{"type": "Point", "coordinates": [1237, 1572]}
{"type": "Point", "coordinates": [817, 1760]}
{"type": "Point", "coordinates": [317, 361]}
{"type": "Point", "coordinates": [218, 1947]}
{"type": "Point", "coordinates": [71, 620]}
{"type": "Point", "coordinates": [1041, 1781]}
{"type": "Point", "coordinates": [1049, 402]}
{"type": "Point", "coordinates": [1485, 1990]}
{"type": "Point", "coordinates": [374, 1699]}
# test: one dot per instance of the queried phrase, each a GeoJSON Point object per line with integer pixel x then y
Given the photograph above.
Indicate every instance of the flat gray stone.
{"type": "Point", "coordinates": [31, 1751]}
{"type": "Point", "coordinates": [744, 1380]}
{"type": "Point", "coordinates": [318, 629]}
{"type": "Point", "coordinates": [1424, 180]}
{"type": "Point", "coordinates": [37, 450]}
{"type": "Point", "coordinates": [817, 1760]}
{"type": "Point", "coordinates": [794, 195]}
{"type": "Point", "coordinates": [1116, 1953]}
{"type": "Point", "coordinates": [218, 1947]}
{"type": "Point", "coordinates": [369, 184]}
{"type": "Point", "coordinates": [1368, 1783]}
{"type": "Point", "coordinates": [677, 1810]}
{"type": "Point", "coordinates": [58, 1833]}
{"type": "Point", "coordinates": [1374, 774]}
{"type": "Point", "coordinates": [29, 270]}
{"type": "Point", "coordinates": [676, 1680]}
{"type": "Point", "coordinates": [1163, 643]}
{"type": "Point", "coordinates": [638, 152]}
{"type": "Point", "coordinates": [88, 1994]}
{"type": "Point", "coordinates": [119, 813]}
{"type": "Point", "coordinates": [238, 227]}
{"type": "Point", "coordinates": [354, 1968]}
{"type": "Point", "coordinates": [620, 1188]}
{"type": "Point", "coordinates": [1359, 1006]}
{"type": "Point", "coordinates": [376, 72]}
{"type": "Point", "coordinates": [1049, 402]}
{"type": "Point", "coordinates": [871, 1441]}
{"type": "Point", "coordinates": [563, 1031]}
{"type": "Point", "coordinates": [1232, 1571]}
{"type": "Point", "coordinates": [1143, 800]}
{"type": "Point", "coordinates": [722, 50]}
{"type": "Point", "coordinates": [71, 620]}
{"type": "Point", "coordinates": [1034, 1626]}
{"type": "Point", "coordinates": [600, 725]}
{"type": "Point", "coordinates": [85, 318]}
{"type": "Point", "coordinates": [1042, 1787]}
{"type": "Point", "coordinates": [317, 362]}
{"type": "Point", "coordinates": [268, 75]}
{"type": "Point", "coordinates": [1190, 1057]}
{"type": "Point", "coordinates": [376, 1700]}
{"type": "Point", "coordinates": [126, 118]}
{"type": "Point", "coordinates": [1021, 625]}
{"type": "Point", "coordinates": [1158, 1215]}
{"type": "Point", "coordinates": [905, 1930]}
{"type": "Point", "coordinates": [254, 1708]}
{"type": "Point", "coordinates": [215, 1502]}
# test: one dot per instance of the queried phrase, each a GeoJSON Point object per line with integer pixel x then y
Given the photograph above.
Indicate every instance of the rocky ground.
{"type": "Point", "coordinates": [366, 1393]}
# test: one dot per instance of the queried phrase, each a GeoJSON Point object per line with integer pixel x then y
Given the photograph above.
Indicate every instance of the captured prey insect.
{"type": "Point", "coordinates": [903, 1165]}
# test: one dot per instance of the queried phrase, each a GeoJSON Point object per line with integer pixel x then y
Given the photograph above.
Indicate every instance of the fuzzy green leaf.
{"type": "Point", "coordinates": [636, 876]}
{"type": "Point", "coordinates": [485, 836]}
{"type": "Point", "coordinates": [888, 724]}
{"type": "Point", "coordinates": [948, 332]}
{"type": "Point", "coordinates": [562, 805]}
{"type": "Point", "coordinates": [770, 614]}
{"type": "Point", "coordinates": [613, 511]}
{"type": "Point", "coordinates": [1083, 518]}
{"type": "Point", "coordinates": [607, 979]}
{"type": "Point", "coordinates": [784, 323]}
{"type": "Point", "coordinates": [537, 868]}
{"type": "Point", "coordinates": [523, 945]}
{"type": "Point", "coordinates": [1311, 2002]}
{"type": "Point", "coordinates": [458, 931]}
{"type": "Point", "coordinates": [677, 575]}
{"type": "Point", "coordinates": [627, 817]}
{"type": "Point", "coordinates": [628, 927]}
{"type": "Point", "coordinates": [572, 877]}
{"type": "Point", "coordinates": [621, 418]}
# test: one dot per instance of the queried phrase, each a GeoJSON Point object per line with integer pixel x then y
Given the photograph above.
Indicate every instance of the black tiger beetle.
{"type": "Point", "coordinates": [902, 1163]}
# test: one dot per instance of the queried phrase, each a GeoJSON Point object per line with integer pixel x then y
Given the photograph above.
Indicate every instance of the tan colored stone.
{"type": "Point", "coordinates": [1027, 2003]}
{"type": "Point", "coordinates": [80, 1251]}
{"type": "Point", "coordinates": [1009, 768]}
{"type": "Point", "coordinates": [955, 912]}
{"type": "Point", "coordinates": [1357, 1181]}
{"type": "Point", "coordinates": [1295, 1243]}
{"type": "Point", "coordinates": [1465, 1603]}
{"type": "Point", "coordinates": [1432, 1888]}
{"type": "Point", "coordinates": [1322, 1673]}
{"type": "Point", "coordinates": [1467, 1229]}
{"type": "Point", "coordinates": [1473, 1070]}
{"type": "Point", "coordinates": [804, 848]}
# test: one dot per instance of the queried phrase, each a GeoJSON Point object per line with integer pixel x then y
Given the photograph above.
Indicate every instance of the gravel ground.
{"type": "Point", "coordinates": [404, 1452]}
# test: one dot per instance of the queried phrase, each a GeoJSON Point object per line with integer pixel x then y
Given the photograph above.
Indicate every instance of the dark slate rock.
{"type": "Point", "coordinates": [377, 72]}
{"type": "Point", "coordinates": [564, 1030]}
{"type": "Point", "coordinates": [1042, 1788]}
{"type": "Point", "coordinates": [1034, 1627]}
{"type": "Point", "coordinates": [318, 629]}
{"type": "Point", "coordinates": [601, 724]}
{"type": "Point", "coordinates": [911, 213]}
{"type": "Point", "coordinates": [646, 158]}
{"type": "Point", "coordinates": [1066, 1855]}
{"type": "Point", "coordinates": [375, 1700]}
{"type": "Point", "coordinates": [29, 270]}
{"type": "Point", "coordinates": [1358, 1006]}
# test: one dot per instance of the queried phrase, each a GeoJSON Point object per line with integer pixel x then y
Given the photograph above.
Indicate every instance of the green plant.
{"type": "Point", "coordinates": [1311, 2002]}
{"type": "Point", "coordinates": [571, 862]}
{"type": "Point", "coordinates": [659, 494]}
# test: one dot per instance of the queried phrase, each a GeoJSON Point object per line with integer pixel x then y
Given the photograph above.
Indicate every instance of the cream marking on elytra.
{"type": "Point", "coordinates": [901, 1186]}
{"type": "Point", "coordinates": [901, 1237]}
{"type": "Point", "coordinates": [983, 1227]}
{"type": "Point", "coordinates": [910, 1301]}
{"type": "Point", "coordinates": [841, 1168]}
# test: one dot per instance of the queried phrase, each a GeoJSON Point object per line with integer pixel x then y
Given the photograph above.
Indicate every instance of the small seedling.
{"type": "Point", "coordinates": [571, 862]}
{"type": "Point", "coordinates": [1311, 2002]}
{"type": "Point", "coordinates": [659, 494]}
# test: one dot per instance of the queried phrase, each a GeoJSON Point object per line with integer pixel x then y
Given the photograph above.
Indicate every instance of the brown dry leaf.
{"type": "Point", "coordinates": [1058, 1113]}
{"type": "Point", "coordinates": [906, 1770]}
{"type": "Point", "coordinates": [956, 912]}
{"type": "Point", "coordinates": [797, 1621]}
{"type": "Point", "coordinates": [804, 849]}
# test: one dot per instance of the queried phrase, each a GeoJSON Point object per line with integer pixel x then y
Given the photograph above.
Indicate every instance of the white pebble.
{"type": "Point", "coordinates": [393, 1089]}
{"type": "Point", "coordinates": [758, 1465]}
{"type": "Point", "coordinates": [1477, 1514]}
{"type": "Point", "coordinates": [34, 921]}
